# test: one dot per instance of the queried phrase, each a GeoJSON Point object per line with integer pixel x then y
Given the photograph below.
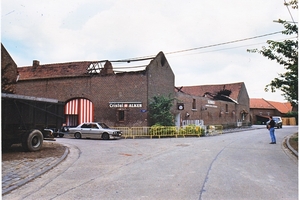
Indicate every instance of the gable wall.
{"type": "Point", "coordinates": [100, 90]}
{"type": "Point", "coordinates": [212, 112]}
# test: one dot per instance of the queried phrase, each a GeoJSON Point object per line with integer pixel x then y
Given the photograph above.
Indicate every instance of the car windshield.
{"type": "Point", "coordinates": [103, 125]}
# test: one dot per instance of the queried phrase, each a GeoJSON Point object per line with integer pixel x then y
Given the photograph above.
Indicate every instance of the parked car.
{"type": "Point", "coordinates": [278, 121]}
{"type": "Point", "coordinates": [94, 130]}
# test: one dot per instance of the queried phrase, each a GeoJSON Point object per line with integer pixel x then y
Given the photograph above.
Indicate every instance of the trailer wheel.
{"type": "Point", "coordinates": [33, 141]}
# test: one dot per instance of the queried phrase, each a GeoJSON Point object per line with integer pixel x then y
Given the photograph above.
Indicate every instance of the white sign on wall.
{"type": "Point", "coordinates": [211, 102]}
{"type": "Point", "coordinates": [125, 104]}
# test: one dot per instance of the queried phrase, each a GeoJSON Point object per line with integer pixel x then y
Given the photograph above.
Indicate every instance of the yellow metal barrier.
{"type": "Point", "coordinates": [214, 129]}
{"type": "Point", "coordinates": [169, 131]}
{"type": "Point", "coordinates": [191, 131]}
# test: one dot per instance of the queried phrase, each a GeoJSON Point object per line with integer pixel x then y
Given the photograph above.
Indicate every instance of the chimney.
{"type": "Point", "coordinates": [35, 63]}
{"type": "Point", "coordinates": [108, 69]}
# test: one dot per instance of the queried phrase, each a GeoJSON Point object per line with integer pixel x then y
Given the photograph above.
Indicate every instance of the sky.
{"type": "Point", "coordinates": [205, 42]}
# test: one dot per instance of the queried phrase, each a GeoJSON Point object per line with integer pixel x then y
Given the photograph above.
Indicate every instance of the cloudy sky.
{"type": "Point", "coordinates": [82, 30]}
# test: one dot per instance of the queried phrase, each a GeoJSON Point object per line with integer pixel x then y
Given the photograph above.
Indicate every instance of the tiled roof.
{"type": "Point", "coordinates": [260, 104]}
{"type": "Point", "coordinates": [54, 70]}
{"type": "Point", "coordinates": [200, 90]}
{"type": "Point", "coordinates": [265, 104]}
{"type": "Point", "coordinates": [282, 107]}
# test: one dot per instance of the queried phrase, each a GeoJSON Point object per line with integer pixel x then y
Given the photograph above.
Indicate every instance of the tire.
{"type": "Point", "coordinates": [61, 135]}
{"type": "Point", "coordinates": [105, 136]}
{"type": "Point", "coordinates": [33, 141]}
{"type": "Point", "coordinates": [77, 135]}
{"type": "Point", "coordinates": [55, 134]}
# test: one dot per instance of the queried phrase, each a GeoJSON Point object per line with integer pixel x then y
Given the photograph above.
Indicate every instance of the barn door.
{"type": "Point", "coordinates": [78, 111]}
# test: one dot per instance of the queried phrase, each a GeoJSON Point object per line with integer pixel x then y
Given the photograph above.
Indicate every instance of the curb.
{"type": "Point", "coordinates": [23, 182]}
{"type": "Point", "coordinates": [290, 147]}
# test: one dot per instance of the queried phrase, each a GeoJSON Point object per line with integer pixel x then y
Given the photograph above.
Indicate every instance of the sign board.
{"type": "Point", "coordinates": [211, 102]}
{"type": "Point", "coordinates": [125, 104]}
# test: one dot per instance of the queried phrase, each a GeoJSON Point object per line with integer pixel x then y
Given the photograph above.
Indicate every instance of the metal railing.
{"type": "Point", "coordinates": [169, 131]}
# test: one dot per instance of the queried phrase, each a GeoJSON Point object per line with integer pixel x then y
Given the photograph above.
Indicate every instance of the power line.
{"type": "Point", "coordinates": [230, 42]}
{"type": "Point", "coordinates": [229, 48]}
{"type": "Point", "coordinates": [142, 58]}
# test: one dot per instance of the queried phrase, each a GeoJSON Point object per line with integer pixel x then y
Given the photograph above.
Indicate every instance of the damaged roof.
{"type": "Point", "coordinates": [81, 68]}
{"type": "Point", "coordinates": [69, 69]}
{"type": "Point", "coordinates": [203, 90]}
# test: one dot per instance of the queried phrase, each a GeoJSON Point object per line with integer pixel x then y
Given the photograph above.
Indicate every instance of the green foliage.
{"type": "Point", "coordinates": [159, 130]}
{"type": "Point", "coordinates": [192, 130]}
{"type": "Point", "coordinates": [285, 53]}
{"type": "Point", "coordinates": [293, 3]}
{"type": "Point", "coordinates": [160, 111]}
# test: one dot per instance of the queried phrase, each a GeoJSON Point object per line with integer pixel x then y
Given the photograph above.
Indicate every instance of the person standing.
{"type": "Point", "coordinates": [271, 127]}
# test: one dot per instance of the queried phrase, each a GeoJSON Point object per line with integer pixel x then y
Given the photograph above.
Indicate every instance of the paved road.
{"type": "Point", "coordinates": [241, 165]}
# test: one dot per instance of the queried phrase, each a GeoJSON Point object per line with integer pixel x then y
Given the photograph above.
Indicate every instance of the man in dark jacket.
{"type": "Point", "coordinates": [271, 127]}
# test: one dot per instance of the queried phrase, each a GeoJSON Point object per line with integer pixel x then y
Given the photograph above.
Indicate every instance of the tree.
{"type": "Point", "coordinates": [159, 110]}
{"type": "Point", "coordinates": [286, 54]}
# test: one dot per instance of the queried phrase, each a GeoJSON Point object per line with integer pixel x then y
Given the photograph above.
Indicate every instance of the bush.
{"type": "Point", "coordinates": [159, 130]}
{"type": "Point", "coordinates": [192, 130]}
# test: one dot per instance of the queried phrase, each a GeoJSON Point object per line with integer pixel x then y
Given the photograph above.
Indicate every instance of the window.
{"type": "Point", "coordinates": [194, 104]}
{"type": "Point", "coordinates": [121, 115]}
{"type": "Point", "coordinates": [226, 108]}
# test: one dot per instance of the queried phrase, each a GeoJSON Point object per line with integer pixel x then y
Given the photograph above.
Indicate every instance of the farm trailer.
{"type": "Point", "coordinates": [29, 120]}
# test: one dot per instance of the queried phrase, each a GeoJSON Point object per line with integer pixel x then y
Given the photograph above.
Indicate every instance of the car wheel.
{"type": "Point", "coordinates": [61, 135]}
{"type": "Point", "coordinates": [105, 136]}
{"type": "Point", "coordinates": [77, 135]}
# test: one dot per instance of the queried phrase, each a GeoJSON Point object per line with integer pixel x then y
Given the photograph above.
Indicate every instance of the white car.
{"type": "Point", "coordinates": [94, 130]}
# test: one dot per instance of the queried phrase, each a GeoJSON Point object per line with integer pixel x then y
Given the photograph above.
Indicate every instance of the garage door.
{"type": "Point", "coordinates": [78, 111]}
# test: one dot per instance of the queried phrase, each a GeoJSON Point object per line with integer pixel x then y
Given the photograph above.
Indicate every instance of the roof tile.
{"type": "Point", "coordinates": [200, 90]}
{"type": "Point", "coordinates": [54, 70]}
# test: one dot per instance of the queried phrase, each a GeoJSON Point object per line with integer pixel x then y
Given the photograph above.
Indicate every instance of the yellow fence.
{"type": "Point", "coordinates": [169, 131]}
{"type": "Point", "coordinates": [214, 130]}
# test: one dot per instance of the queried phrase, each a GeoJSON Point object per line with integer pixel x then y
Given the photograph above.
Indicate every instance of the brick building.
{"type": "Point", "coordinates": [226, 104]}
{"type": "Point", "coordinates": [261, 109]}
{"type": "Point", "coordinates": [96, 93]}
{"type": "Point", "coordinates": [9, 72]}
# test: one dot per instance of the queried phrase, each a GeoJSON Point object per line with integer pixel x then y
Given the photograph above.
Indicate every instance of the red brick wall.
{"type": "Point", "coordinates": [161, 78]}
{"type": "Point", "coordinates": [100, 90]}
{"type": "Point", "coordinates": [212, 112]}
{"type": "Point", "coordinates": [9, 72]}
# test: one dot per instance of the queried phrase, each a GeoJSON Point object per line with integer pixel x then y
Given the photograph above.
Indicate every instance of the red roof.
{"type": "Point", "coordinates": [265, 104]}
{"type": "Point", "coordinates": [260, 103]}
{"type": "Point", "coordinates": [282, 107]}
{"type": "Point", "coordinates": [54, 70]}
{"type": "Point", "coordinates": [200, 90]}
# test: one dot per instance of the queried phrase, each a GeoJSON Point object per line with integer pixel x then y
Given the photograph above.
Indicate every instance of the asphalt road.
{"type": "Point", "coordinates": [240, 165]}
